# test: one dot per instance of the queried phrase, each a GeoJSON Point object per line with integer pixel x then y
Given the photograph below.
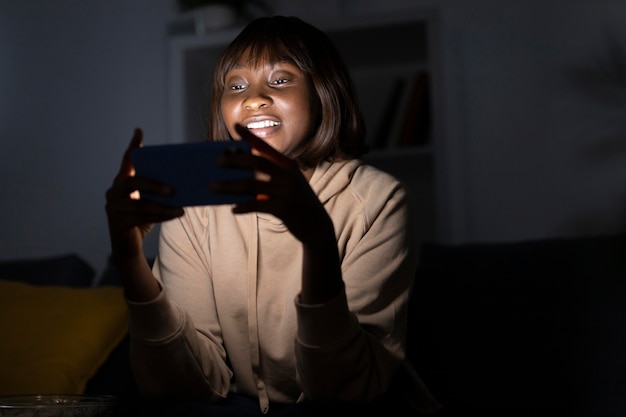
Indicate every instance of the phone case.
{"type": "Point", "coordinates": [188, 168]}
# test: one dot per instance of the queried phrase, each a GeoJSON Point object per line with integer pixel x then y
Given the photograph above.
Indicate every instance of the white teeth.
{"type": "Point", "coordinates": [260, 125]}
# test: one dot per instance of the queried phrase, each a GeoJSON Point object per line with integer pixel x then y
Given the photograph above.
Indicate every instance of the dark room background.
{"type": "Point", "coordinates": [533, 113]}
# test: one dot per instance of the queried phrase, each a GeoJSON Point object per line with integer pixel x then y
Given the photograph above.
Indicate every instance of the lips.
{"type": "Point", "coordinates": [262, 127]}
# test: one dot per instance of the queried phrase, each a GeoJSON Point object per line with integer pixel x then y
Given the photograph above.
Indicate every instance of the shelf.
{"type": "Point", "coordinates": [386, 42]}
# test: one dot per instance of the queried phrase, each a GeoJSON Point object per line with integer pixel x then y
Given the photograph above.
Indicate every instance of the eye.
{"type": "Point", "coordinates": [279, 81]}
{"type": "Point", "coordinates": [235, 82]}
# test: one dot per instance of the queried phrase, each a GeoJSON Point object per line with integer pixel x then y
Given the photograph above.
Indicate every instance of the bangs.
{"type": "Point", "coordinates": [258, 54]}
{"type": "Point", "coordinates": [264, 48]}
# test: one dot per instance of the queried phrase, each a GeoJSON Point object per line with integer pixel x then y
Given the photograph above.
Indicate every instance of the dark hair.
{"type": "Point", "coordinates": [340, 132]}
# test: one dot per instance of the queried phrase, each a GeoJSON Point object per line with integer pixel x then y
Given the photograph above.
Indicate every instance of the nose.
{"type": "Point", "coordinates": [256, 99]}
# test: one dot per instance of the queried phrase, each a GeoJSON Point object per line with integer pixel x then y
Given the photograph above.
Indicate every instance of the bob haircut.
{"type": "Point", "coordinates": [340, 131]}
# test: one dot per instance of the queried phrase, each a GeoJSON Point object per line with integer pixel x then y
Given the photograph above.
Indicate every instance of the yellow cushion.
{"type": "Point", "coordinates": [53, 339]}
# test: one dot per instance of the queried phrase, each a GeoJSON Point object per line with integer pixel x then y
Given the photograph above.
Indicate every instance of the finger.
{"type": "Point", "coordinates": [256, 163]}
{"type": "Point", "coordinates": [262, 147]}
{"type": "Point", "coordinates": [127, 169]}
{"type": "Point", "coordinates": [138, 212]}
{"type": "Point", "coordinates": [260, 204]}
{"type": "Point", "coordinates": [126, 186]}
{"type": "Point", "coordinates": [242, 187]}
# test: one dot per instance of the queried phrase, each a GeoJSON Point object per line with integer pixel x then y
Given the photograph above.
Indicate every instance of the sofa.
{"type": "Point", "coordinates": [524, 328]}
{"type": "Point", "coordinates": [530, 328]}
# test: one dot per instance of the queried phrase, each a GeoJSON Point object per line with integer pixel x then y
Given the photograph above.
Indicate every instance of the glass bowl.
{"type": "Point", "coordinates": [57, 405]}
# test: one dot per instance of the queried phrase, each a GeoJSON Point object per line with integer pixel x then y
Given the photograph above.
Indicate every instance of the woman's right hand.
{"type": "Point", "coordinates": [130, 219]}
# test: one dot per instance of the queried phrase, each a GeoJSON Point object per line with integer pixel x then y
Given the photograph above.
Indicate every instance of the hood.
{"type": "Point", "coordinates": [330, 178]}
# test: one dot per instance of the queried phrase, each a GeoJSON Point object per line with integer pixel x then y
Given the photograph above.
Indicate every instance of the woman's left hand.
{"type": "Point", "coordinates": [280, 187]}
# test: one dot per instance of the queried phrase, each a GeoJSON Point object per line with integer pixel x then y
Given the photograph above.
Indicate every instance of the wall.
{"type": "Point", "coordinates": [535, 152]}
{"type": "Point", "coordinates": [527, 153]}
{"type": "Point", "coordinates": [76, 78]}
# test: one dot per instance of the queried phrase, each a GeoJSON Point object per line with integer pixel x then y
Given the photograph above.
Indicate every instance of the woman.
{"type": "Point", "coordinates": [298, 298]}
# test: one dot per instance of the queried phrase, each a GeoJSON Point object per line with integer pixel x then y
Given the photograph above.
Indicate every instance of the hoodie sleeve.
{"type": "Point", "coordinates": [351, 348]}
{"type": "Point", "coordinates": [169, 354]}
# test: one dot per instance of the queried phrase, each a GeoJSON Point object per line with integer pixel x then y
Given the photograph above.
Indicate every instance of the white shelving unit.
{"type": "Point", "coordinates": [384, 53]}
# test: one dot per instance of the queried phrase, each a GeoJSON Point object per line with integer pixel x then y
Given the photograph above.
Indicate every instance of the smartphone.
{"type": "Point", "coordinates": [189, 168]}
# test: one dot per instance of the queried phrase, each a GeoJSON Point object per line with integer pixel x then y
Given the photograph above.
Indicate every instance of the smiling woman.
{"type": "Point", "coordinates": [294, 303]}
{"type": "Point", "coordinates": [281, 74]}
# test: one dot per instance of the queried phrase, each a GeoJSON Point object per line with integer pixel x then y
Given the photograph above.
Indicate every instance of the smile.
{"type": "Point", "coordinates": [262, 124]}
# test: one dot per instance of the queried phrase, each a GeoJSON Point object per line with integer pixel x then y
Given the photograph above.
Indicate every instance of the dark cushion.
{"type": "Point", "coordinates": [532, 326]}
{"type": "Point", "coordinates": [115, 377]}
{"type": "Point", "coordinates": [67, 269]}
{"type": "Point", "coordinates": [109, 276]}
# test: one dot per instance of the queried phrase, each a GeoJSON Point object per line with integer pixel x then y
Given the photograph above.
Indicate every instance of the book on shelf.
{"type": "Point", "coordinates": [387, 125]}
{"type": "Point", "coordinates": [415, 127]}
{"type": "Point", "coordinates": [405, 119]}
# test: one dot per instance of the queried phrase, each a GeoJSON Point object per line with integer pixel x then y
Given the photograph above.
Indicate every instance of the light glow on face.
{"type": "Point", "coordinates": [272, 100]}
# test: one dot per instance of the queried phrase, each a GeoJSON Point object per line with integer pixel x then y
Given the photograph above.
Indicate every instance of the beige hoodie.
{"type": "Point", "coordinates": [228, 318]}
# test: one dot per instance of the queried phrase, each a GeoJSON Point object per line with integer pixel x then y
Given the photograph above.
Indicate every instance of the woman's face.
{"type": "Point", "coordinates": [272, 100]}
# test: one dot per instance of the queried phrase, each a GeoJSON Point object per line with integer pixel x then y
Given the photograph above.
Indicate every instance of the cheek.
{"type": "Point", "coordinates": [226, 109]}
{"type": "Point", "coordinates": [229, 115]}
